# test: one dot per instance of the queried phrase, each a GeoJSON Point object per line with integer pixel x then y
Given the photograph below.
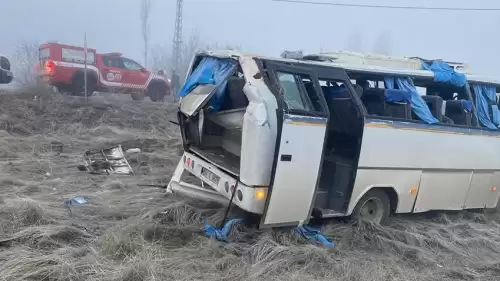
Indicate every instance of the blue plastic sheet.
{"type": "Point", "coordinates": [220, 234]}
{"type": "Point", "coordinates": [484, 95]}
{"type": "Point", "coordinates": [495, 115]}
{"type": "Point", "coordinates": [78, 200]}
{"type": "Point", "coordinates": [418, 105]}
{"type": "Point", "coordinates": [467, 105]}
{"type": "Point", "coordinates": [392, 95]}
{"type": "Point", "coordinates": [213, 71]}
{"type": "Point", "coordinates": [335, 91]}
{"type": "Point", "coordinates": [444, 73]}
{"type": "Point", "coordinates": [314, 235]}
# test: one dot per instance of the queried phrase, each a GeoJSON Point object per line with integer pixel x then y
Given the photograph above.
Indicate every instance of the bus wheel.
{"type": "Point", "coordinates": [373, 207]}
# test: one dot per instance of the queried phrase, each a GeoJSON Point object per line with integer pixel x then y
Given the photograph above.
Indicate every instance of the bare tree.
{"type": "Point", "coordinates": [25, 61]}
{"type": "Point", "coordinates": [188, 49]}
{"type": "Point", "coordinates": [145, 28]}
{"type": "Point", "coordinates": [160, 57]}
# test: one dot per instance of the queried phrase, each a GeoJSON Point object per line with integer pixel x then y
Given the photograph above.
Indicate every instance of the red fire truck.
{"type": "Point", "coordinates": [63, 66]}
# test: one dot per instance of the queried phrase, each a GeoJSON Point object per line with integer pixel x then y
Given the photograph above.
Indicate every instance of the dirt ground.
{"type": "Point", "coordinates": [132, 232]}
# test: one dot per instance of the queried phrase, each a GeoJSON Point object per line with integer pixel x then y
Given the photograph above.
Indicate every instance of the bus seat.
{"type": "Point", "coordinates": [373, 100]}
{"type": "Point", "coordinates": [460, 111]}
{"type": "Point", "coordinates": [235, 97]}
{"type": "Point", "coordinates": [443, 108]}
{"type": "Point", "coordinates": [398, 110]}
{"type": "Point", "coordinates": [376, 104]}
{"type": "Point", "coordinates": [447, 120]}
{"type": "Point", "coordinates": [435, 104]}
{"type": "Point", "coordinates": [397, 104]}
{"type": "Point", "coordinates": [342, 110]}
{"type": "Point", "coordinates": [358, 89]}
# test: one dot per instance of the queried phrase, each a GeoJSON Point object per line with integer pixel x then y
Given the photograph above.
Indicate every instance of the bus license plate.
{"type": "Point", "coordinates": [210, 176]}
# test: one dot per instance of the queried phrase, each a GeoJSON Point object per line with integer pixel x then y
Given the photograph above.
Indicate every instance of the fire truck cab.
{"type": "Point", "coordinates": [63, 66]}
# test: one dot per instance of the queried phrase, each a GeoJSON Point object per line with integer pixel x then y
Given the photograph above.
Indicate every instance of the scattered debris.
{"type": "Point", "coordinates": [132, 151]}
{"type": "Point", "coordinates": [56, 147]}
{"type": "Point", "coordinates": [78, 200]}
{"type": "Point", "coordinates": [314, 235]}
{"type": "Point", "coordinates": [292, 54]}
{"type": "Point", "coordinates": [106, 161]}
{"type": "Point", "coordinates": [154, 185]}
{"type": "Point", "coordinates": [220, 234]}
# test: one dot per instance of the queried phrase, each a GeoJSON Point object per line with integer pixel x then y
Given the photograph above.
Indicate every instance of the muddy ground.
{"type": "Point", "coordinates": [132, 232]}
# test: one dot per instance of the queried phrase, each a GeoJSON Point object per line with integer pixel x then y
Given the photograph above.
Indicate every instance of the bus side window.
{"type": "Point", "coordinates": [299, 92]}
{"type": "Point", "coordinates": [451, 104]}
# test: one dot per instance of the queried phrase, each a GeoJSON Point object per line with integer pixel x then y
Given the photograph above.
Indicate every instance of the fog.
{"type": "Point", "coordinates": [263, 26]}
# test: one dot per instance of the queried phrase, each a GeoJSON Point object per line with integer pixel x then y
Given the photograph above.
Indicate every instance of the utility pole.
{"type": "Point", "coordinates": [85, 65]}
{"type": "Point", "coordinates": [177, 41]}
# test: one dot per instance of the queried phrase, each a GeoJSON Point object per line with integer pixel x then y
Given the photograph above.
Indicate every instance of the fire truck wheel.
{"type": "Point", "coordinates": [78, 85]}
{"type": "Point", "coordinates": [156, 92]}
{"type": "Point", "coordinates": [137, 96]}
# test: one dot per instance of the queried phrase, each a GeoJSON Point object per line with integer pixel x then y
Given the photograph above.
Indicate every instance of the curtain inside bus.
{"type": "Point", "coordinates": [444, 73]}
{"type": "Point", "coordinates": [418, 105]}
{"type": "Point", "coordinates": [213, 71]}
{"type": "Point", "coordinates": [486, 101]}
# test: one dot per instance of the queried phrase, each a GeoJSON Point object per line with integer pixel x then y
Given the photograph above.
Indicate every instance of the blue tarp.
{"type": "Point", "coordinates": [467, 105]}
{"type": "Point", "coordinates": [392, 95]}
{"type": "Point", "coordinates": [444, 73]}
{"type": "Point", "coordinates": [314, 235]}
{"type": "Point", "coordinates": [220, 234]}
{"type": "Point", "coordinates": [307, 232]}
{"type": "Point", "coordinates": [495, 115]}
{"type": "Point", "coordinates": [418, 105]}
{"type": "Point", "coordinates": [484, 95]}
{"type": "Point", "coordinates": [210, 71]}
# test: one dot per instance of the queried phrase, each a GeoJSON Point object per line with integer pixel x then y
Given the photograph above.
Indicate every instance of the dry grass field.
{"type": "Point", "coordinates": [130, 232]}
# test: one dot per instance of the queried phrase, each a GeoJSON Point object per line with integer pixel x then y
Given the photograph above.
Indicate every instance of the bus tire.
{"type": "Point", "coordinates": [374, 207]}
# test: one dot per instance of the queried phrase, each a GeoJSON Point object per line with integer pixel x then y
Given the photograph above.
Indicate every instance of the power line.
{"type": "Point", "coordinates": [388, 6]}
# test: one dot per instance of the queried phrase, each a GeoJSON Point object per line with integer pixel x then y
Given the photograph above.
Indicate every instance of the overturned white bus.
{"type": "Point", "coordinates": [286, 139]}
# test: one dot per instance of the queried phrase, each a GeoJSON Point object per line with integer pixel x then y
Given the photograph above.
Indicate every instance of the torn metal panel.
{"type": "Point", "coordinates": [107, 161]}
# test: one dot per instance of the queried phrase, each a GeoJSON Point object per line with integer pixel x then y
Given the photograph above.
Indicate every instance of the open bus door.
{"type": "Point", "coordinates": [301, 140]}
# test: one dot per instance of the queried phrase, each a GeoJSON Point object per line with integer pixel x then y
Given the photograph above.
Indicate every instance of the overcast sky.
{"type": "Point", "coordinates": [265, 27]}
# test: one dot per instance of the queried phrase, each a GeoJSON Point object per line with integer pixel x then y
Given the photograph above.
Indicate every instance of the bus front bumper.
{"type": "Point", "coordinates": [248, 198]}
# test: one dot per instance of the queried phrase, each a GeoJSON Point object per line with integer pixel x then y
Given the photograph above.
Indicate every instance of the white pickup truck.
{"type": "Point", "coordinates": [5, 73]}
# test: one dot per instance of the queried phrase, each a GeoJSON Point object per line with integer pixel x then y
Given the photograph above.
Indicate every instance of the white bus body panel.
{"type": "Point", "coordinates": [449, 169]}
{"type": "Point", "coordinates": [215, 191]}
{"type": "Point", "coordinates": [297, 170]}
{"type": "Point", "coordinates": [259, 120]}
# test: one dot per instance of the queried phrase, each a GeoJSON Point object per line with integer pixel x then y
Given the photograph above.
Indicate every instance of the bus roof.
{"type": "Point", "coordinates": [397, 70]}
{"type": "Point", "coordinates": [362, 68]}
{"type": "Point", "coordinates": [483, 79]}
